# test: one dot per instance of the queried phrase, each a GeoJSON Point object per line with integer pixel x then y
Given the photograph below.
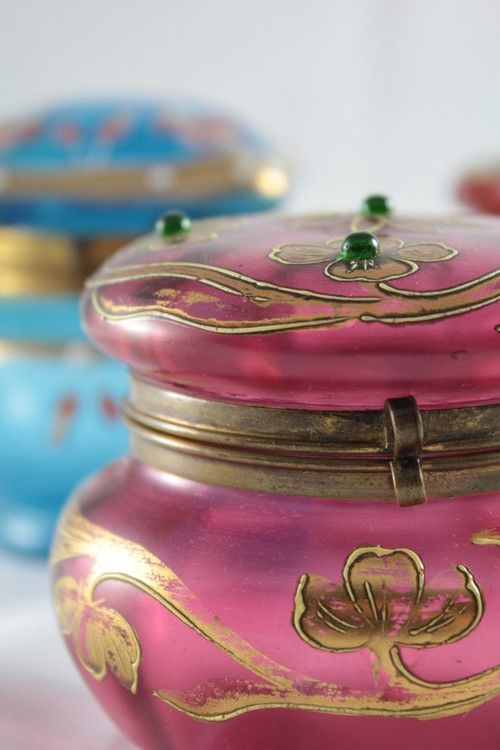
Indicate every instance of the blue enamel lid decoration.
{"type": "Point", "coordinates": [111, 167]}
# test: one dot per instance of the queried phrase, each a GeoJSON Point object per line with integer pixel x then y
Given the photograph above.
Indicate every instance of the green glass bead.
{"type": "Point", "coordinates": [173, 225]}
{"type": "Point", "coordinates": [377, 205]}
{"type": "Point", "coordinates": [359, 246]}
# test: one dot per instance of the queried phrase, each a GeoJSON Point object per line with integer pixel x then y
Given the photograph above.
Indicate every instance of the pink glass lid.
{"type": "Point", "coordinates": [285, 311]}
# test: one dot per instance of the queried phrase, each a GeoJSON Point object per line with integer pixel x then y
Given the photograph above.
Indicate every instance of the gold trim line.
{"type": "Point", "coordinates": [219, 174]}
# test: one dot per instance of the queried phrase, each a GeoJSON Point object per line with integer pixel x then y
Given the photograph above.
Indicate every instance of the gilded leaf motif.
{"type": "Point", "coordinates": [380, 603]}
{"type": "Point", "coordinates": [450, 608]}
{"type": "Point", "coordinates": [103, 638]}
{"type": "Point", "coordinates": [107, 641]}
{"type": "Point", "coordinates": [427, 252]}
{"type": "Point", "coordinates": [383, 599]}
{"type": "Point", "coordinates": [301, 254]}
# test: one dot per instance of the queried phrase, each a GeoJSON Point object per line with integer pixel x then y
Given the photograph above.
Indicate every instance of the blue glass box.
{"type": "Point", "coordinates": [98, 168]}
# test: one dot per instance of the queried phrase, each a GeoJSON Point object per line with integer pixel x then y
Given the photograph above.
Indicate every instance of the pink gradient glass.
{"type": "Point", "coordinates": [210, 616]}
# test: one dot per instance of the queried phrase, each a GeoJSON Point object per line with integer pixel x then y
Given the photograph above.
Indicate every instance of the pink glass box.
{"type": "Point", "coordinates": [302, 551]}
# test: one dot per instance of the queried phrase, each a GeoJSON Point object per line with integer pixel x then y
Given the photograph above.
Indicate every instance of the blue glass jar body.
{"type": "Point", "coordinates": [60, 416]}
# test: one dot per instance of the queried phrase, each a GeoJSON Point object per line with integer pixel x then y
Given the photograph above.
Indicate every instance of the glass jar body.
{"type": "Point", "coordinates": [211, 618]}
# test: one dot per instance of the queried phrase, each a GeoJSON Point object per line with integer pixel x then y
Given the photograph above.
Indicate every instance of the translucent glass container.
{"type": "Point", "coordinates": [302, 550]}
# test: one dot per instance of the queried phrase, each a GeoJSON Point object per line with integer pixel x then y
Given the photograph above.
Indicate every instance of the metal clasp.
{"type": "Point", "coordinates": [405, 436]}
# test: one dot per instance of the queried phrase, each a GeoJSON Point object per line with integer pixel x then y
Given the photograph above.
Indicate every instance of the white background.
{"type": "Point", "coordinates": [394, 96]}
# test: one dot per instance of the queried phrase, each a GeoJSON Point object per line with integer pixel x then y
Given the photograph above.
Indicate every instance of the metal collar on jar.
{"type": "Point", "coordinates": [399, 452]}
{"type": "Point", "coordinates": [43, 263]}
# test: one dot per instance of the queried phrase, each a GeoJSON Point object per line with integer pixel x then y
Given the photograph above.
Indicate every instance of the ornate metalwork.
{"type": "Point", "coordinates": [345, 454]}
{"type": "Point", "coordinates": [404, 421]}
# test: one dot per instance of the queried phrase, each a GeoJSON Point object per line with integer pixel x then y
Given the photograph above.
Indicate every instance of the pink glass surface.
{"type": "Point", "coordinates": [241, 555]}
{"type": "Point", "coordinates": [262, 310]}
{"type": "Point", "coordinates": [206, 618]}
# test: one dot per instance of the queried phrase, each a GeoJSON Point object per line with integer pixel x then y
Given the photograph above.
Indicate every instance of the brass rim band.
{"type": "Point", "coordinates": [204, 178]}
{"type": "Point", "coordinates": [344, 455]}
{"type": "Point", "coordinates": [41, 263]}
{"type": "Point", "coordinates": [10, 349]}
{"type": "Point", "coordinates": [18, 348]}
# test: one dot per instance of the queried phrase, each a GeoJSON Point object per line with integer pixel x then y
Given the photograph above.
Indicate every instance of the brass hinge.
{"type": "Point", "coordinates": [405, 436]}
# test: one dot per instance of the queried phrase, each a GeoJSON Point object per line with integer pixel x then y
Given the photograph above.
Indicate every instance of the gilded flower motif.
{"type": "Point", "coordinates": [103, 638]}
{"type": "Point", "coordinates": [397, 258]}
{"type": "Point", "coordinates": [363, 222]}
{"type": "Point", "coordinates": [383, 603]}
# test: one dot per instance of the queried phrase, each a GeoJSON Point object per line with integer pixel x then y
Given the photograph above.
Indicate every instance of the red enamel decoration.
{"type": "Point", "coordinates": [481, 191]}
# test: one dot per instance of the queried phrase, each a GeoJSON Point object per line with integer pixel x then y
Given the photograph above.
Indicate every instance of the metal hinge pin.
{"type": "Point", "coordinates": [405, 437]}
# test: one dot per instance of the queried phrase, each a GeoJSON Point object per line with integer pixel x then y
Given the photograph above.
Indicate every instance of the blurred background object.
{"type": "Point", "coordinates": [107, 168]}
{"type": "Point", "coordinates": [59, 398]}
{"type": "Point", "coordinates": [92, 174]}
{"type": "Point", "coordinates": [480, 189]}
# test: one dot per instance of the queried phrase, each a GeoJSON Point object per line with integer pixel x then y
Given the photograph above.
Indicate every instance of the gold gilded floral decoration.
{"type": "Point", "coordinates": [103, 639]}
{"type": "Point", "coordinates": [225, 301]}
{"type": "Point", "coordinates": [383, 602]}
{"type": "Point", "coordinates": [397, 258]}
{"type": "Point", "coordinates": [390, 222]}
